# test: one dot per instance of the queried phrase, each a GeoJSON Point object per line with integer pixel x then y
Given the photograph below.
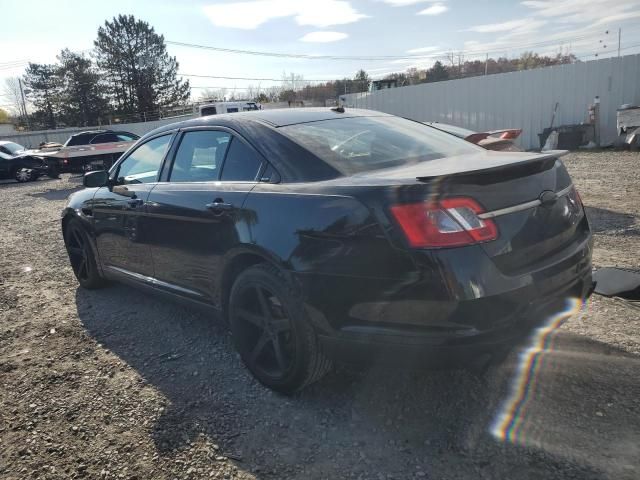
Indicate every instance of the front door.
{"type": "Point", "coordinates": [197, 215]}
{"type": "Point", "coordinates": [118, 210]}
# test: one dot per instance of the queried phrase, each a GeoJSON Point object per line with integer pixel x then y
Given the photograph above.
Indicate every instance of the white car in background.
{"type": "Point", "coordinates": [216, 108]}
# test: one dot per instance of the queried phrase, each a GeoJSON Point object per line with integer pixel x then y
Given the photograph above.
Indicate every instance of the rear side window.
{"type": "Point", "coordinates": [104, 138]}
{"type": "Point", "coordinates": [208, 111]}
{"type": "Point", "coordinates": [242, 163]}
{"type": "Point", "coordinates": [199, 156]}
{"type": "Point", "coordinates": [361, 144]}
{"type": "Point", "coordinates": [79, 140]}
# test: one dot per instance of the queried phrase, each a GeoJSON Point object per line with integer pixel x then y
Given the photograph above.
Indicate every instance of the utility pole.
{"type": "Point", "coordinates": [486, 64]}
{"type": "Point", "coordinates": [24, 104]}
{"type": "Point", "coordinates": [619, 39]}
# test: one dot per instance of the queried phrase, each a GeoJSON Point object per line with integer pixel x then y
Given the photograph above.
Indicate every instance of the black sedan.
{"type": "Point", "coordinates": [324, 234]}
{"type": "Point", "coordinates": [17, 163]}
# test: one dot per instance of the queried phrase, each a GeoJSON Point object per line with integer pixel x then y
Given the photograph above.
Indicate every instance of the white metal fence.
{"type": "Point", "coordinates": [524, 99]}
{"type": "Point", "coordinates": [33, 139]}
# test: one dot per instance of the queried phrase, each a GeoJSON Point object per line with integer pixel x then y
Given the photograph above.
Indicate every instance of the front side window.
{"type": "Point", "coordinates": [242, 163]}
{"type": "Point", "coordinates": [359, 144]}
{"type": "Point", "coordinates": [143, 164]}
{"type": "Point", "coordinates": [199, 156]}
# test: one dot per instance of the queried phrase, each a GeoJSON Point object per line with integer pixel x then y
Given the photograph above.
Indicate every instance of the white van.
{"type": "Point", "coordinates": [226, 107]}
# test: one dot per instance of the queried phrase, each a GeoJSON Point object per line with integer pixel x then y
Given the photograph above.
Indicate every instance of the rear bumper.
{"type": "Point", "coordinates": [420, 348]}
{"type": "Point", "coordinates": [420, 322]}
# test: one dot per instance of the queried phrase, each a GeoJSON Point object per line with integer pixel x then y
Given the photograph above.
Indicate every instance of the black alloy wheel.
{"type": "Point", "coordinates": [271, 331]}
{"type": "Point", "coordinates": [81, 256]}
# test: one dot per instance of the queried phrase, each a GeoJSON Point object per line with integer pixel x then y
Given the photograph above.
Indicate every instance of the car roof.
{"type": "Point", "coordinates": [4, 142]}
{"type": "Point", "coordinates": [97, 132]}
{"type": "Point", "coordinates": [277, 117]}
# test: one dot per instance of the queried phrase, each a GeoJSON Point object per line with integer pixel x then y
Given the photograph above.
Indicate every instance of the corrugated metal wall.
{"type": "Point", "coordinates": [518, 99]}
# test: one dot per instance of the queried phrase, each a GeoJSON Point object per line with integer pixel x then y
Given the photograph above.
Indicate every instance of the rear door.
{"type": "Point", "coordinates": [118, 211]}
{"type": "Point", "coordinates": [197, 215]}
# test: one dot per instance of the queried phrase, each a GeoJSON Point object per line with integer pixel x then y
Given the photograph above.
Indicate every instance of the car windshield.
{"type": "Point", "coordinates": [14, 148]}
{"type": "Point", "coordinates": [360, 144]}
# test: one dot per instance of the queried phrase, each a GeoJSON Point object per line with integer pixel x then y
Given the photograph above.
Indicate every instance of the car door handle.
{"type": "Point", "coordinates": [135, 202]}
{"type": "Point", "coordinates": [219, 205]}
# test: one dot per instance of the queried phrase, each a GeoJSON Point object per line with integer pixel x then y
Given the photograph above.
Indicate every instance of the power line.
{"type": "Point", "coordinates": [380, 57]}
{"type": "Point", "coordinates": [256, 79]}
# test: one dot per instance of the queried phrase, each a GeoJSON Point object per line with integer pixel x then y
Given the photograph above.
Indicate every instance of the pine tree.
{"type": "Point", "coordinates": [135, 64]}
{"type": "Point", "coordinates": [437, 73]}
{"type": "Point", "coordinates": [81, 100]}
{"type": "Point", "coordinates": [43, 86]}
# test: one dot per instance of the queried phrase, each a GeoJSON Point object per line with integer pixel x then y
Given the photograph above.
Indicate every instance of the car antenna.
{"type": "Point", "coordinates": [338, 109]}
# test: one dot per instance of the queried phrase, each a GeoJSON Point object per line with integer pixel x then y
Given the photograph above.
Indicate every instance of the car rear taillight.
{"type": "Point", "coordinates": [511, 134]}
{"type": "Point", "coordinates": [452, 222]}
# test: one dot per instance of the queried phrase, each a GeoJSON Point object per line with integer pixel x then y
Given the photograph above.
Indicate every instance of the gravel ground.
{"type": "Point", "coordinates": [118, 384]}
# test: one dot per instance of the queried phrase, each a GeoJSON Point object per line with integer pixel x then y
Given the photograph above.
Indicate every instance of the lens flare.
{"type": "Point", "coordinates": [508, 424]}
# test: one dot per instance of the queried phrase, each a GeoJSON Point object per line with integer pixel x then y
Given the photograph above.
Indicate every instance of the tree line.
{"type": "Point", "coordinates": [128, 73]}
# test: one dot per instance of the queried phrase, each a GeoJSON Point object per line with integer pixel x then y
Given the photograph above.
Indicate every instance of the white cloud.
{"type": "Point", "coordinates": [324, 37]}
{"type": "Point", "coordinates": [252, 14]}
{"type": "Point", "coordinates": [405, 3]}
{"type": "Point", "coordinates": [435, 9]}
{"type": "Point", "coordinates": [499, 27]}
{"type": "Point", "coordinates": [581, 11]}
{"type": "Point", "coordinates": [423, 50]}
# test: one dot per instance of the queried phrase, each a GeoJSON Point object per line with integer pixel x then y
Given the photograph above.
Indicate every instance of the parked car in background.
{"type": "Point", "coordinates": [325, 234]}
{"type": "Point", "coordinates": [217, 108]}
{"type": "Point", "coordinates": [16, 162]}
{"type": "Point", "coordinates": [499, 140]}
{"type": "Point", "coordinates": [90, 150]}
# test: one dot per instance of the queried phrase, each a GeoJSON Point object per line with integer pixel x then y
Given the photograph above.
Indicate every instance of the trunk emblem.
{"type": "Point", "coordinates": [548, 198]}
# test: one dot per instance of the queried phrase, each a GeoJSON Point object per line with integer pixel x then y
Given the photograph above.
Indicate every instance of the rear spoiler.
{"type": "Point", "coordinates": [492, 162]}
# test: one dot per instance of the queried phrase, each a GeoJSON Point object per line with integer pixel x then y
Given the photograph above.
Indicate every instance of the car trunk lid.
{"type": "Point", "coordinates": [528, 197]}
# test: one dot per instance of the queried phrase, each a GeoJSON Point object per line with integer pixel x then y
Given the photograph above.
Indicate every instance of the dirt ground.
{"type": "Point", "coordinates": [116, 384]}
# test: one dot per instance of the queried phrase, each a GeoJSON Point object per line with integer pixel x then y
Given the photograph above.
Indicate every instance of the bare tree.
{"type": "Point", "coordinates": [13, 95]}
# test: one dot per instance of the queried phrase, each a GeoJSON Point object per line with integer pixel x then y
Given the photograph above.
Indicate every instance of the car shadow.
{"type": "Point", "coordinates": [372, 421]}
{"type": "Point", "coordinates": [4, 183]}
{"type": "Point", "coordinates": [53, 194]}
{"type": "Point", "coordinates": [609, 222]}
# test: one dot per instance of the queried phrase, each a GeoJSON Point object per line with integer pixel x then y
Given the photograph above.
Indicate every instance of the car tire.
{"type": "Point", "coordinates": [271, 331]}
{"type": "Point", "coordinates": [83, 262]}
{"type": "Point", "coordinates": [23, 175]}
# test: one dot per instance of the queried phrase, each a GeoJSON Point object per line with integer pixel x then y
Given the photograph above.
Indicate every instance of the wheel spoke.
{"type": "Point", "coordinates": [250, 317]}
{"type": "Point", "coordinates": [280, 325]}
{"type": "Point", "coordinates": [259, 346]}
{"type": "Point", "coordinates": [263, 303]}
{"type": "Point", "coordinates": [77, 251]}
{"type": "Point", "coordinates": [277, 348]}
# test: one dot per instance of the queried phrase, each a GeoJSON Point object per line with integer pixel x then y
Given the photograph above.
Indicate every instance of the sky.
{"type": "Point", "coordinates": [421, 31]}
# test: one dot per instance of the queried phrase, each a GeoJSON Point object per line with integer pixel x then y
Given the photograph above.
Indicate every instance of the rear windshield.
{"type": "Point", "coordinates": [361, 144]}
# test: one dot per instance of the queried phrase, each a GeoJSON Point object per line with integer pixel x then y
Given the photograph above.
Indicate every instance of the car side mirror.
{"type": "Point", "coordinates": [98, 178]}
